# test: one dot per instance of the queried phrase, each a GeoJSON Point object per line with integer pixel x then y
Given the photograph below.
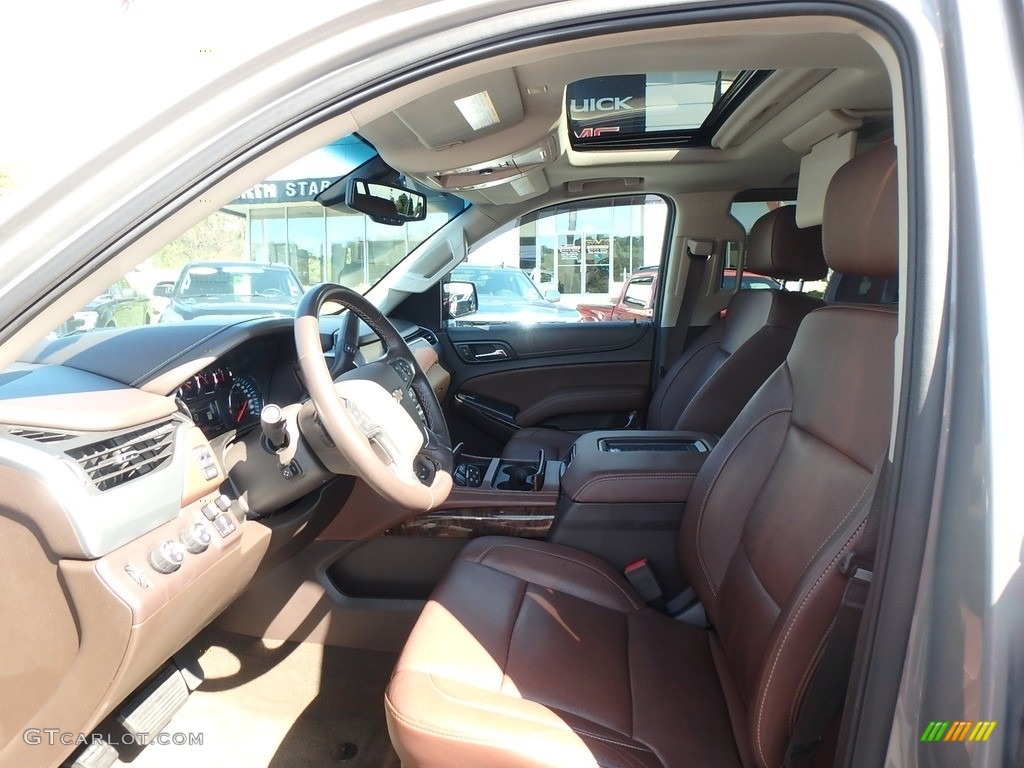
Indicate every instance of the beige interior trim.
{"type": "Point", "coordinates": [87, 411]}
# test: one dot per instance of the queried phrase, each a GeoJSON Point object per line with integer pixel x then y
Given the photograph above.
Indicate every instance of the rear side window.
{"type": "Point", "coordinates": [545, 266]}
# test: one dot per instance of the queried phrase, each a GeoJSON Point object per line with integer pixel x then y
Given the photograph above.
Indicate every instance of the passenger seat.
{"type": "Point", "coordinates": [535, 655]}
{"type": "Point", "coordinates": [720, 371]}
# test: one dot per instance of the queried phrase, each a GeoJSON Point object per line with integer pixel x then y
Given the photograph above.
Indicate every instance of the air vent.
{"type": "Point", "coordinates": [39, 435]}
{"type": "Point", "coordinates": [423, 333]}
{"type": "Point", "coordinates": [125, 457]}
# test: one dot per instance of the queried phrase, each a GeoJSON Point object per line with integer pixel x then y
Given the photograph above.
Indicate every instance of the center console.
{"type": "Point", "coordinates": [535, 476]}
{"type": "Point", "coordinates": [619, 494]}
{"type": "Point", "coordinates": [623, 494]}
{"type": "Point", "coordinates": [635, 466]}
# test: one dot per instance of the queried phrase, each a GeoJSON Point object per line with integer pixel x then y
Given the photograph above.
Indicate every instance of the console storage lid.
{"type": "Point", "coordinates": [635, 466]}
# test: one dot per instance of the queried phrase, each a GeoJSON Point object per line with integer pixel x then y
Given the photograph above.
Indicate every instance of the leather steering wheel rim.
{"type": "Point", "coordinates": [364, 420]}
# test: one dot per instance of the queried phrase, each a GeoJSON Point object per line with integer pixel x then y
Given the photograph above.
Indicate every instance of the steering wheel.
{"type": "Point", "coordinates": [384, 416]}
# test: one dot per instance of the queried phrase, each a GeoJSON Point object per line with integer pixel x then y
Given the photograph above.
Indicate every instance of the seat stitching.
{"type": "Point", "coordinates": [512, 632]}
{"type": "Point", "coordinates": [629, 677]}
{"type": "Point", "coordinates": [480, 561]}
{"type": "Point", "coordinates": [616, 742]}
{"type": "Point", "coordinates": [805, 677]}
{"type": "Point", "coordinates": [711, 487]}
{"type": "Point", "coordinates": [839, 525]}
{"type": "Point", "coordinates": [484, 707]}
{"type": "Point", "coordinates": [619, 476]}
{"type": "Point", "coordinates": [789, 629]}
{"type": "Point", "coordinates": [836, 448]}
{"type": "Point", "coordinates": [859, 307]}
{"type": "Point", "coordinates": [175, 356]}
{"type": "Point", "coordinates": [420, 726]}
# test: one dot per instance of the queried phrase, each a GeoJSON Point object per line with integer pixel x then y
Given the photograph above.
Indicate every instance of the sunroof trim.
{"type": "Point", "coordinates": [613, 112]}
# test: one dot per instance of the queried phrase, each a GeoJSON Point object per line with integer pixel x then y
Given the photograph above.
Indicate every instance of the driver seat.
{"type": "Point", "coordinates": [533, 654]}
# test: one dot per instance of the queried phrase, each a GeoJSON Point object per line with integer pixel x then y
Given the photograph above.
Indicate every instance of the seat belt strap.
{"type": "Point", "coordinates": [676, 342]}
{"type": "Point", "coordinates": [826, 691]}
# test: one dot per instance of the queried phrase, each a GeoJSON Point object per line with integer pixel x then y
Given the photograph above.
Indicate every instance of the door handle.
{"type": "Point", "coordinates": [496, 354]}
{"type": "Point", "coordinates": [484, 351]}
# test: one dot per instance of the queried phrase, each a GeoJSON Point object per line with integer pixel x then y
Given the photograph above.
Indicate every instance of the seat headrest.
{"type": "Point", "coordinates": [777, 247]}
{"type": "Point", "coordinates": [861, 218]}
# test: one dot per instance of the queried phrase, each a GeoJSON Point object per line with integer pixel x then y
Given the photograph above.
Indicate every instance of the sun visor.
{"type": "Point", "coordinates": [466, 111]}
{"type": "Point", "coordinates": [816, 171]}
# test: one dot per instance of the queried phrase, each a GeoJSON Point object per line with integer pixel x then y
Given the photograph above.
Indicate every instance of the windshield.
{"type": "Point", "coordinates": [258, 254]}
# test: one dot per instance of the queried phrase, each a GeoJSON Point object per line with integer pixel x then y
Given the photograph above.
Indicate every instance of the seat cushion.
{"type": "Point", "coordinates": [533, 654]}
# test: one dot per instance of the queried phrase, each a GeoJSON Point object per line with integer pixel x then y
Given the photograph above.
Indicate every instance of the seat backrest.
{"type": "Point", "coordinates": [717, 374]}
{"type": "Point", "coordinates": [784, 495]}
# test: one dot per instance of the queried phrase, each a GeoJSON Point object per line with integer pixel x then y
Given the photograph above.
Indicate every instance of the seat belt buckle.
{"type": "Point", "coordinates": [857, 567]}
{"type": "Point", "coordinates": [641, 576]}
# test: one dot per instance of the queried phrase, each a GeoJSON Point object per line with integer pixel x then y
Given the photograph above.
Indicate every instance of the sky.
{"type": "Point", "coordinates": [73, 73]}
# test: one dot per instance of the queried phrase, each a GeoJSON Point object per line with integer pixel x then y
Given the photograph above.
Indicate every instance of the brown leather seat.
{"type": "Point", "coordinates": [532, 654]}
{"type": "Point", "coordinates": [717, 374]}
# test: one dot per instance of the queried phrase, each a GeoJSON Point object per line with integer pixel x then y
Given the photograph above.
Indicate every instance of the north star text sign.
{"type": "Point", "coordinates": [284, 191]}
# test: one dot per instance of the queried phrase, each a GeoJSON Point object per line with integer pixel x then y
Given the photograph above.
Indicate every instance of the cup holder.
{"type": "Point", "coordinates": [518, 476]}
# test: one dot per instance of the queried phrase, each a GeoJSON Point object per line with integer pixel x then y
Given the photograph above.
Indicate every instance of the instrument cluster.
{"type": "Point", "coordinates": [220, 400]}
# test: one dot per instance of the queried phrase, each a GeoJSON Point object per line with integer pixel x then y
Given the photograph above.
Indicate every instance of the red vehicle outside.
{"type": "Point", "coordinates": [639, 295]}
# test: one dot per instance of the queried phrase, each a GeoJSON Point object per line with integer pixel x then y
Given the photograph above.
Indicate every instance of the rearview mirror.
{"type": "Point", "coordinates": [163, 290]}
{"type": "Point", "coordinates": [385, 203]}
{"type": "Point", "coordinates": [460, 298]}
{"type": "Point", "coordinates": [553, 296]}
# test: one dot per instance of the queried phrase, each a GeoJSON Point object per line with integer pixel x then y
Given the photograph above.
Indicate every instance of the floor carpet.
{"type": "Point", "coordinates": [279, 705]}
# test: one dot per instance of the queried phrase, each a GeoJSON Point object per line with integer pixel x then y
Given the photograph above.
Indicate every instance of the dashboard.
{"type": "Point", "coordinates": [140, 500]}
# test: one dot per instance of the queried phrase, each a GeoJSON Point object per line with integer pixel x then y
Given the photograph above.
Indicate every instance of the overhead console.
{"type": "Point", "coordinates": [500, 170]}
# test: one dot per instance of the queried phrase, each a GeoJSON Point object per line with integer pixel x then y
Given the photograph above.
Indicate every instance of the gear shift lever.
{"type": "Point", "coordinates": [275, 426]}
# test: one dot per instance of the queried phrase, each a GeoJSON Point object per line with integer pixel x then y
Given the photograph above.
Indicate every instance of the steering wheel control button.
{"type": "Point", "coordinates": [210, 511]}
{"type": "Point", "coordinates": [225, 525]}
{"type": "Point", "coordinates": [196, 538]}
{"type": "Point", "coordinates": [404, 369]}
{"type": "Point", "coordinates": [168, 557]}
{"type": "Point", "coordinates": [137, 575]}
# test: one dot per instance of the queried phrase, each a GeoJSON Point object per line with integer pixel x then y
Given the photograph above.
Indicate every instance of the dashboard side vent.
{"type": "Point", "coordinates": [39, 435]}
{"type": "Point", "coordinates": [423, 333]}
{"type": "Point", "coordinates": [127, 456]}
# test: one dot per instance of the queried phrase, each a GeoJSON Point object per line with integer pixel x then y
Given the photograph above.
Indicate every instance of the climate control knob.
{"type": "Point", "coordinates": [196, 538]}
{"type": "Point", "coordinates": [167, 558]}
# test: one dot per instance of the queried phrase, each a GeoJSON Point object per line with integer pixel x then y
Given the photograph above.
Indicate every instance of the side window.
{"type": "Point", "coordinates": [747, 212]}
{"type": "Point", "coordinates": [567, 263]}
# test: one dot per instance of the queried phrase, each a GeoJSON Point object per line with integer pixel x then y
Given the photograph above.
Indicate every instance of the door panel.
{"type": "Point", "coordinates": [568, 376]}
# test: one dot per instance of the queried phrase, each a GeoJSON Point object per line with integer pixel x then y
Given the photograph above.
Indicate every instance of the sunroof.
{"type": "Point", "coordinates": [654, 109]}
